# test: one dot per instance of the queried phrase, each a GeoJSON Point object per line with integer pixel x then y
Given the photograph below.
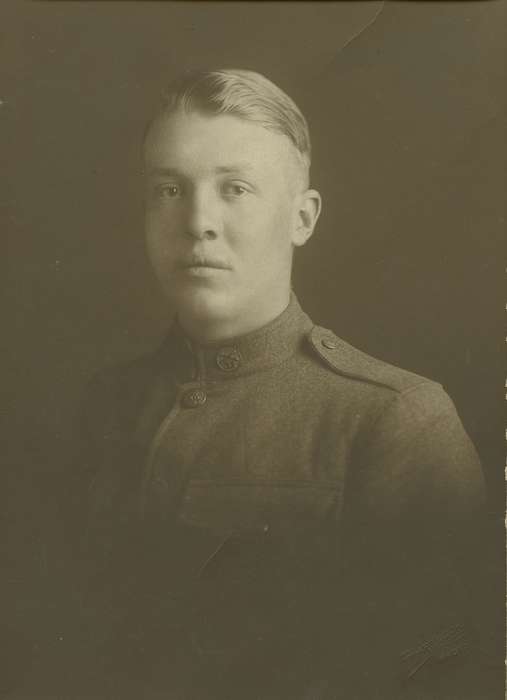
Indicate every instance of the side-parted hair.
{"type": "Point", "coordinates": [244, 94]}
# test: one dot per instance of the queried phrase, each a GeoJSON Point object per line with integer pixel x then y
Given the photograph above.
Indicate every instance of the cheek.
{"type": "Point", "coordinates": [267, 220]}
{"type": "Point", "coordinates": [160, 231]}
{"type": "Point", "coordinates": [264, 248]}
{"type": "Point", "coordinates": [159, 250]}
{"type": "Point", "coordinates": [275, 229]}
{"type": "Point", "coordinates": [155, 220]}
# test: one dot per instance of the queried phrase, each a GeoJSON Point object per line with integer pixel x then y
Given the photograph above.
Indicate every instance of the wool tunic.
{"type": "Point", "coordinates": [279, 516]}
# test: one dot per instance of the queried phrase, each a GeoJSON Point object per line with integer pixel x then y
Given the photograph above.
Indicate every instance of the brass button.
{"type": "Point", "coordinates": [194, 398]}
{"type": "Point", "coordinates": [228, 359]}
{"type": "Point", "coordinates": [329, 343]}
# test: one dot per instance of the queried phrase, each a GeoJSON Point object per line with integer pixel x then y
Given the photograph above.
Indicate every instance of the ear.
{"type": "Point", "coordinates": [309, 205]}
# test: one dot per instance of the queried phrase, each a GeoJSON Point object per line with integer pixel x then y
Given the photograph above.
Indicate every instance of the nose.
{"type": "Point", "coordinates": [202, 216]}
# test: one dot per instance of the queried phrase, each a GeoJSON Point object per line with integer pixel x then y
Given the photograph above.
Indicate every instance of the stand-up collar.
{"type": "Point", "coordinates": [266, 346]}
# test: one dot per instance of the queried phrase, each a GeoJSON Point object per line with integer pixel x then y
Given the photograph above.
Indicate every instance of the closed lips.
{"type": "Point", "coordinates": [204, 262]}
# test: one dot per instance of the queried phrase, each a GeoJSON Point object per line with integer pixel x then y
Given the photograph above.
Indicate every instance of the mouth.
{"type": "Point", "coordinates": [195, 262]}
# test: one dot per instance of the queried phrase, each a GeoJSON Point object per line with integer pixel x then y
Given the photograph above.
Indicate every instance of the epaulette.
{"type": "Point", "coordinates": [350, 362]}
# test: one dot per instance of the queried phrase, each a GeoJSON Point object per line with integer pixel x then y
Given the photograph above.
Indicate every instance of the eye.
{"type": "Point", "coordinates": [235, 189]}
{"type": "Point", "coordinates": [168, 191]}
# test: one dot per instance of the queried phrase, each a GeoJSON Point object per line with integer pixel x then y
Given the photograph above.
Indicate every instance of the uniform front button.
{"type": "Point", "coordinates": [194, 398]}
{"type": "Point", "coordinates": [330, 344]}
{"type": "Point", "coordinates": [228, 359]}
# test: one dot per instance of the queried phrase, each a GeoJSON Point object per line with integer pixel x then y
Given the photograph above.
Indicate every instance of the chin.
{"type": "Point", "coordinates": [204, 305]}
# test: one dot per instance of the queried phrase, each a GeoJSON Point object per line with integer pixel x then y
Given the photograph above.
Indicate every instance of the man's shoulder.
{"type": "Point", "coordinates": [343, 359]}
{"type": "Point", "coordinates": [127, 374]}
{"type": "Point", "coordinates": [120, 387]}
{"type": "Point", "coordinates": [396, 406]}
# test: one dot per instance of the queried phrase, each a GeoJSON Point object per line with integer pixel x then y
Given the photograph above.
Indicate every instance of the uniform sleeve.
{"type": "Point", "coordinates": [93, 606]}
{"type": "Point", "coordinates": [64, 662]}
{"type": "Point", "coordinates": [413, 528]}
{"type": "Point", "coordinates": [92, 427]}
{"type": "Point", "coordinates": [103, 442]}
{"type": "Point", "coordinates": [417, 460]}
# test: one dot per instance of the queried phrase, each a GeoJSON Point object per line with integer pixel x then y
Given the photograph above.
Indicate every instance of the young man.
{"type": "Point", "coordinates": [272, 513]}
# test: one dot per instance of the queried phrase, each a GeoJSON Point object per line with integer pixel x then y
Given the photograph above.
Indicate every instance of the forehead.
{"type": "Point", "coordinates": [192, 140]}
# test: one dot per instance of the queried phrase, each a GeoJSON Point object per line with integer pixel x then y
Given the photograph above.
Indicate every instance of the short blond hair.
{"type": "Point", "coordinates": [245, 94]}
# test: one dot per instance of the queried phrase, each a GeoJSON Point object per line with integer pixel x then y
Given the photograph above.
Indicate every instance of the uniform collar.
{"type": "Point", "coordinates": [218, 361]}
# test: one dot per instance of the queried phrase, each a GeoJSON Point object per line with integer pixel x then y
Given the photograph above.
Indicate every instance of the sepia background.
{"type": "Point", "coordinates": [405, 102]}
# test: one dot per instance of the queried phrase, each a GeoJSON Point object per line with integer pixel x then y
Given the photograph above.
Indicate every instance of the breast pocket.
{"type": "Point", "coordinates": [237, 505]}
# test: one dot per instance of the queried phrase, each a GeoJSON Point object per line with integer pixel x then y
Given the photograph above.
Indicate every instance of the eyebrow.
{"type": "Point", "coordinates": [221, 169]}
{"type": "Point", "coordinates": [161, 171]}
{"type": "Point", "coordinates": [234, 168]}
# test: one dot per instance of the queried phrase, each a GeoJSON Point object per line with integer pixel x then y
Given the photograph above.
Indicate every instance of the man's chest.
{"type": "Point", "coordinates": [256, 453]}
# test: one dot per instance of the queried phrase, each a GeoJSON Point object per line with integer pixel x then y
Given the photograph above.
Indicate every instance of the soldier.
{"type": "Point", "coordinates": [272, 513]}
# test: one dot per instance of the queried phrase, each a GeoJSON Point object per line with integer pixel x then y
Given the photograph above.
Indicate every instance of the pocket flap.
{"type": "Point", "coordinates": [238, 505]}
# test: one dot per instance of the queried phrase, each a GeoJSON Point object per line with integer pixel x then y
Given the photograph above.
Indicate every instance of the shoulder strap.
{"type": "Point", "coordinates": [348, 361]}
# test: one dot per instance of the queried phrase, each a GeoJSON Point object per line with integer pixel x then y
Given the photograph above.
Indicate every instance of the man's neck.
{"type": "Point", "coordinates": [211, 330]}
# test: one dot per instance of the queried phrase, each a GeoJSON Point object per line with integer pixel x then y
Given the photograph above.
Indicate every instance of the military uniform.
{"type": "Point", "coordinates": [278, 516]}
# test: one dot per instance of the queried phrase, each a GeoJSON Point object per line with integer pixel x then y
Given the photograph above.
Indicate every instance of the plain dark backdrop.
{"type": "Point", "coordinates": [406, 112]}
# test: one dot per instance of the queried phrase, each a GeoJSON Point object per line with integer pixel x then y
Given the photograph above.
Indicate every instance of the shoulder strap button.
{"type": "Point", "coordinates": [329, 343]}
